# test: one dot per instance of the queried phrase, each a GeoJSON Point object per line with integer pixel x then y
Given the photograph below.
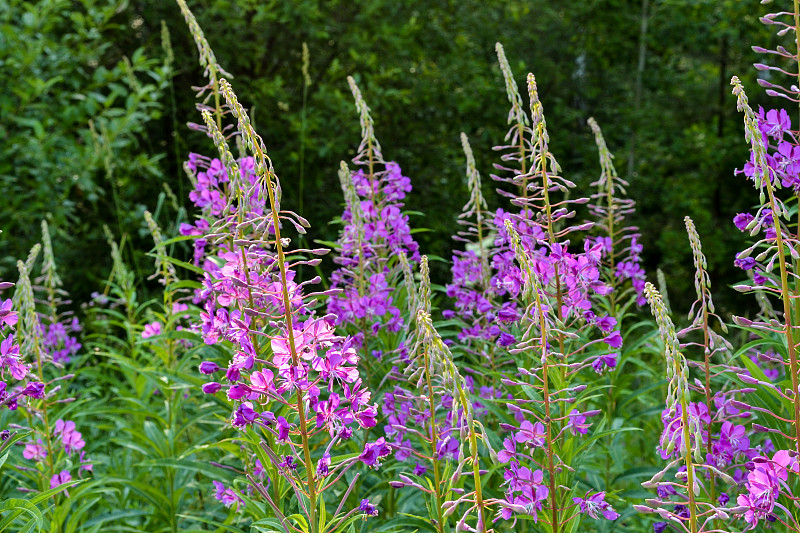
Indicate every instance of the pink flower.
{"type": "Point", "coordinates": [151, 329]}
{"type": "Point", "coordinates": [34, 451]}
{"type": "Point", "coordinates": [7, 316]}
{"type": "Point", "coordinates": [533, 433]}
{"type": "Point", "coordinates": [59, 479]}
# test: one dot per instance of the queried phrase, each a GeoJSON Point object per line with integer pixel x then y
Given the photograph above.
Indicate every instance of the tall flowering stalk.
{"type": "Point", "coordinates": [375, 231]}
{"type": "Point", "coordinates": [543, 226]}
{"type": "Point", "coordinates": [690, 496]}
{"type": "Point", "coordinates": [543, 453]}
{"type": "Point", "coordinates": [700, 315]}
{"type": "Point", "coordinates": [56, 451]}
{"type": "Point", "coordinates": [208, 60]}
{"type": "Point", "coordinates": [778, 241]}
{"type": "Point", "coordinates": [296, 406]}
{"type": "Point", "coordinates": [58, 329]}
{"type": "Point", "coordinates": [768, 478]}
{"type": "Point", "coordinates": [517, 151]}
{"type": "Point", "coordinates": [445, 423]}
{"type": "Point", "coordinates": [620, 244]}
{"type": "Point", "coordinates": [677, 403]}
{"type": "Point", "coordinates": [439, 361]}
{"type": "Point", "coordinates": [471, 287]}
{"type": "Point", "coordinates": [719, 443]}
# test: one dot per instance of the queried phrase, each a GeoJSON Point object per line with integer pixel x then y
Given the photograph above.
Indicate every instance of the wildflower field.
{"type": "Point", "coordinates": [235, 368]}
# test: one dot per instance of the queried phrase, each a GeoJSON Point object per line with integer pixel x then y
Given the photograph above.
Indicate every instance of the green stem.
{"type": "Point", "coordinates": [548, 421]}
{"type": "Point", "coordinates": [688, 458]}
{"type": "Point", "coordinates": [787, 307]}
{"type": "Point", "coordinates": [434, 442]}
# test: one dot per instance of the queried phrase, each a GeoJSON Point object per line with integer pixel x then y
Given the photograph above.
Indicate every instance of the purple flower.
{"type": "Point", "coordinates": [531, 433]}
{"type": "Point", "coordinates": [367, 508]}
{"type": "Point", "coordinates": [595, 504]}
{"type": "Point", "coordinates": [374, 452]}
{"type": "Point", "coordinates": [745, 263]}
{"type": "Point", "coordinates": [774, 122]}
{"type": "Point", "coordinates": [508, 452]}
{"type": "Point", "coordinates": [34, 389]}
{"type": "Point", "coordinates": [208, 367]}
{"type": "Point", "coordinates": [59, 479]}
{"type": "Point", "coordinates": [227, 496]}
{"type": "Point", "coordinates": [506, 339]}
{"type": "Point", "coordinates": [614, 340]}
{"type": "Point", "coordinates": [283, 429]}
{"type": "Point", "coordinates": [741, 221]}
{"type": "Point", "coordinates": [211, 387]}
{"type": "Point", "coordinates": [605, 361]}
{"type": "Point", "coordinates": [577, 423]}
{"type": "Point", "coordinates": [288, 463]}
{"type": "Point", "coordinates": [244, 415]}
{"type": "Point", "coordinates": [606, 323]}
{"type": "Point", "coordinates": [526, 491]}
{"type": "Point", "coordinates": [447, 447]}
{"type": "Point", "coordinates": [323, 464]}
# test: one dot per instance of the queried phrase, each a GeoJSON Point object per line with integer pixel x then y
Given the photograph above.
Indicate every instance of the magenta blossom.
{"type": "Point", "coordinates": [151, 329]}
{"type": "Point", "coordinates": [595, 504]}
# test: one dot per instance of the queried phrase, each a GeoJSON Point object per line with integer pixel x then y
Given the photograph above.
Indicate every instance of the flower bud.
{"type": "Point", "coordinates": [211, 387]}
{"type": "Point", "coordinates": [208, 367]}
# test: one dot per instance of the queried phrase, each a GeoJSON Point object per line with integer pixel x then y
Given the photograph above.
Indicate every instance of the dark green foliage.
{"type": "Point", "coordinates": [77, 103]}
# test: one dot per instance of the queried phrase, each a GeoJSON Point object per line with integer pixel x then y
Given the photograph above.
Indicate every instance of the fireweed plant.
{"type": "Point", "coordinates": [546, 325]}
{"type": "Point", "coordinates": [439, 419]}
{"type": "Point", "coordinates": [293, 383]}
{"type": "Point", "coordinates": [375, 231]}
{"type": "Point", "coordinates": [771, 480]}
{"type": "Point", "coordinates": [705, 441]}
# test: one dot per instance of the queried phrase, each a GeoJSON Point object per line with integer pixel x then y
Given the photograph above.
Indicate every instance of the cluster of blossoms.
{"type": "Point", "coordinates": [487, 292]}
{"type": "Point", "coordinates": [549, 288]}
{"type": "Point", "coordinates": [375, 233]}
{"type": "Point", "coordinates": [783, 153]}
{"type": "Point", "coordinates": [301, 388]}
{"type": "Point", "coordinates": [72, 443]}
{"type": "Point", "coordinates": [778, 157]}
{"type": "Point", "coordinates": [212, 196]}
{"type": "Point", "coordinates": [730, 447]}
{"type": "Point", "coordinates": [11, 359]}
{"type": "Point", "coordinates": [240, 292]}
{"type": "Point", "coordinates": [58, 342]}
{"type": "Point", "coordinates": [767, 479]}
